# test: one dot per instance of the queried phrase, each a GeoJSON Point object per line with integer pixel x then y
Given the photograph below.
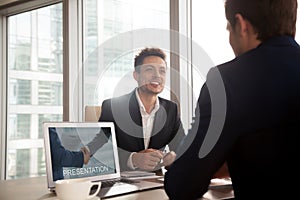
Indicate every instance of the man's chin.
{"type": "Point", "coordinates": [154, 91]}
{"type": "Point", "coordinates": [151, 90]}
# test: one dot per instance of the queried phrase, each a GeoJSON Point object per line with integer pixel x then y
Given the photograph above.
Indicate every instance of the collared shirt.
{"type": "Point", "coordinates": [147, 122]}
{"type": "Point", "coordinates": [147, 119]}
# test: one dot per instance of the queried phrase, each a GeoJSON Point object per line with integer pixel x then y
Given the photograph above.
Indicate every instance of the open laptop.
{"type": "Point", "coordinates": [64, 160]}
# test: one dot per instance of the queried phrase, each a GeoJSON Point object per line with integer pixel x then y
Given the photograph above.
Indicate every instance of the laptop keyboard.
{"type": "Point", "coordinates": [113, 182]}
{"type": "Point", "coordinates": [109, 183]}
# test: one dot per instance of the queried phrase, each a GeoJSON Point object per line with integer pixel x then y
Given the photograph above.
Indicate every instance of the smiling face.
{"type": "Point", "coordinates": [151, 75]}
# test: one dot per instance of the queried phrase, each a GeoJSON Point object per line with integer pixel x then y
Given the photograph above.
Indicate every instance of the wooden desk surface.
{"type": "Point", "coordinates": [36, 189]}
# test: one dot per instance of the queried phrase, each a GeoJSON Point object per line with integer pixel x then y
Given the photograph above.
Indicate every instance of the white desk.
{"type": "Point", "coordinates": [36, 189]}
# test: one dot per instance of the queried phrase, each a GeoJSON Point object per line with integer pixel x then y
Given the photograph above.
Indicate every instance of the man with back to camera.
{"type": "Point", "coordinates": [145, 123]}
{"type": "Point", "coordinates": [261, 87]}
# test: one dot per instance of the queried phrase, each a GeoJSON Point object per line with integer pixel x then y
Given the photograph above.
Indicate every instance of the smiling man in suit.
{"type": "Point", "coordinates": [145, 123]}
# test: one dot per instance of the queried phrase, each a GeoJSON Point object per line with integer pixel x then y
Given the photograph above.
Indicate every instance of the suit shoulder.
{"type": "Point", "coordinates": [117, 99]}
{"type": "Point", "coordinates": [166, 102]}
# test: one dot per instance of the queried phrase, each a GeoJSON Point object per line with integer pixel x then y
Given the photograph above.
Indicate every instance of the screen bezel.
{"type": "Point", "coordinates": [47, 125]}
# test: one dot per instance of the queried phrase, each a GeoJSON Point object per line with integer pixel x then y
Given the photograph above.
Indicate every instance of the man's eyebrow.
{"type": "Point", "coordinates": [148, 65]}
{"type": "Point", "coordinates": [153, 65]}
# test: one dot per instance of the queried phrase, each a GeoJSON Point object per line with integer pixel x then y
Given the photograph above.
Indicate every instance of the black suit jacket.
{"type": "Point", "coordinates": [124, 111]}
{"type": "Point", "coordinates": [257, 132]}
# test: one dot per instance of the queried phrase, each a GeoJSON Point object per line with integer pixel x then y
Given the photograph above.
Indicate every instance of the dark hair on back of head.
{"type": "Point", "coordinates": [268, 17]}
{"type": "Point", "coordinates": [139, 59]}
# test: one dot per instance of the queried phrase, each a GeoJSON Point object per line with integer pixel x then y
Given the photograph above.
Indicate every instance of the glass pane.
{"type": "Point", "coordinates": [50, 93]}
{"type": "Point", "coordinates": [34, 86]}
{"type": "Point", "coordinates": [106, 65]}
{"type": "Point", "coordinates": [45, 118]}
{"type": "Point", "coordinates": [41, 162]}
{"type": "Point", "coordinates": [23, 159]}
{"type": "Point", "coordinates": [213, 36]}
{"type": "Point", "coordinates": [19, 126]}
{"type": "Point", "coordinates": [20, 91]}
{"type": "Point", "coordinates": [18, 161]}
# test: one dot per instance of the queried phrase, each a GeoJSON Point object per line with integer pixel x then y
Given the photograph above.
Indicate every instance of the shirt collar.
{"type": "Point", "coordinates": [141, 105]}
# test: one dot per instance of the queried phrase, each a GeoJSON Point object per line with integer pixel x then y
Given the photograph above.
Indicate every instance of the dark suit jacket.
{"type": "Point", "coordinates": [124, 111]}
{"type": "Point", "coordinates": [62, 157]}
{"type": "Point", "coordinates": [256, 135]}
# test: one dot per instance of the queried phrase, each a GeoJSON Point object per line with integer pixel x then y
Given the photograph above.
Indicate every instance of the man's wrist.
{"type": "Point", "coordinates": [130, 162]}
{"type": "Point", "coordinates": [87, 147]}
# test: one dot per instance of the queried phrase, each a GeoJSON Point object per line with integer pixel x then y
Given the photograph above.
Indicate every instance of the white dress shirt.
{"type": "Point", "coordinates": [147, 122]}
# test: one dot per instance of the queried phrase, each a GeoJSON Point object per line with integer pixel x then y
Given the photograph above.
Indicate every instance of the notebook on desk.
{"type": "Point", "coordinates": [64, 159]}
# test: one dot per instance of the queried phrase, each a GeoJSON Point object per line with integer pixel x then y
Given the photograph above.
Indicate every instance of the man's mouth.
{"type": "Point", "coordinates": [155, 83]}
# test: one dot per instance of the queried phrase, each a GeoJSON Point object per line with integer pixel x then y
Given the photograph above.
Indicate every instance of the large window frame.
{"type": "Point", "coordinates": [2, 100]}
{"type": "Point", "coordinates": [9, 8]}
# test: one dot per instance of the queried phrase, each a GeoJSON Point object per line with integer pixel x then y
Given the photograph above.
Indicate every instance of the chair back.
{"type": "Point", "coordinates": [92, 113]}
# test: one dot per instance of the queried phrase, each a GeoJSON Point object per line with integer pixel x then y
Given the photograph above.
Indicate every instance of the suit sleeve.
{"type": "Point", "coordinates": [102, 137]}
{"type": "Point", "coordinates": [178, 131]}
{"type": "Point", "coordinates": [62, 157]}
{"type": "Point", "coordinates": [107, 116]}
{"type": "Point", "coordinates": [189, 176]}
{"type": "Point", "coordinates": [98, 141]}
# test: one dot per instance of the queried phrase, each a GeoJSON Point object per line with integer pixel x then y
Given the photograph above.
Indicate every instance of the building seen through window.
{"type": "Point", "coordinates": [34, 87]}
{"type": "Point", "coordinates": [104, 20]}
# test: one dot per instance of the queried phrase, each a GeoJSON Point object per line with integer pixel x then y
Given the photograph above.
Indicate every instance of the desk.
{"type": "Point", "coordinates": [36, 189]}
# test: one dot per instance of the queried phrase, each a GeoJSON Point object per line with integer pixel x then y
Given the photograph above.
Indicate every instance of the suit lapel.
{"type": "Point", "coordinates": [137, 119]}
{"type": "Point", "coordinates": [126, 114]}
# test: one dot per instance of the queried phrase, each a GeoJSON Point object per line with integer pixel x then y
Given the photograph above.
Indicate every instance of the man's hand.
{"type": "Point", "coordinates": [86, 155]}
{"type": "Point", "coordinates": [222, 172]}
{"type": "Point", "coordinates": [169, 158]}
{"type": "Point", "coordinates": [147, 159]}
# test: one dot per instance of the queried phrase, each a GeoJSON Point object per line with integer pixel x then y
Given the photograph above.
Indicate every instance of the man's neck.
{"type": "Point", "coordinates": [148, 100]}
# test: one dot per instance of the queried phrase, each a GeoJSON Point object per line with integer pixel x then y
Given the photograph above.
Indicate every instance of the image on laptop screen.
{"type": "Point", "coordinates": [64, 158]}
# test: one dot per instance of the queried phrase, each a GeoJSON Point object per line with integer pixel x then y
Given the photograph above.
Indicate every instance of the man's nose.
{"type": "Point", "coordinates": [156, 73]}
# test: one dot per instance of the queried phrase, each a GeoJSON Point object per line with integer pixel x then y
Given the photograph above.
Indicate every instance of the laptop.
{"type": "Point", "coordinates": [64, 159]}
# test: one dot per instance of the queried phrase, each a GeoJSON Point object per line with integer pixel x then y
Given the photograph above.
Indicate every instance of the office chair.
{"type": "Point", "coordinates": [92, 113]}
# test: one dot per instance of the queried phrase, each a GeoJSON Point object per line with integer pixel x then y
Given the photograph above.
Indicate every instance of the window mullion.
{"type": "Point", "coordinates": [72, 89]}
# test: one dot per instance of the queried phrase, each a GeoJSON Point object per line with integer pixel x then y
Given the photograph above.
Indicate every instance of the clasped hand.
{"type": "Point", "coordinates": [152, 159]}
{"type": "Point", "coordinates": [86, 155]}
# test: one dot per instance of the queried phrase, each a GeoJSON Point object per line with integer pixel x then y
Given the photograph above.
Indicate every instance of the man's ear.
{"type": "Point", "coordinates": [135, 75]}
{"type": "Point", "coordinates": [242, 25]}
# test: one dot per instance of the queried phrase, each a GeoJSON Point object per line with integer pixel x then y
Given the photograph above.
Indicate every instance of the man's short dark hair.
{"type": "Point", "coordinates": [139, 59]}
{"type": "Point", "coordinates": [268, 17]}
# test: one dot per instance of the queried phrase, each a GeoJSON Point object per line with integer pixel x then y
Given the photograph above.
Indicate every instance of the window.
{"type": "Point", "coordinates": [209, 32]}
{"type": "Point", "coordinates": [107, 68]}
{"type": "Point", "coordinates": [21, 168]}
{"type": "Point", "coordinates": [18, 126]}
{"type": "Point", "coordinates": [34, 82]}
{"type": "Point", "coordinates": [20, 91]}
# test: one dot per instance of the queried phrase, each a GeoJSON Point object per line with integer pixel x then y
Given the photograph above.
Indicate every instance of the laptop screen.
{"type": "Point", "coordinates": [65, 159]}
